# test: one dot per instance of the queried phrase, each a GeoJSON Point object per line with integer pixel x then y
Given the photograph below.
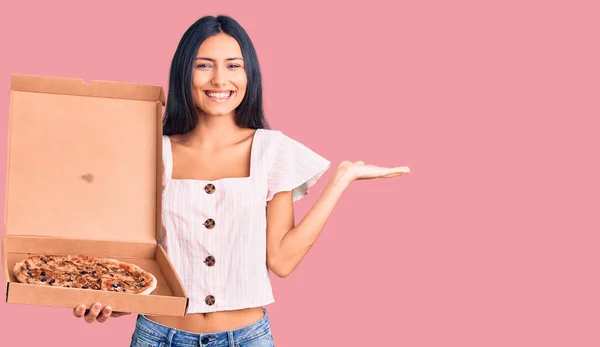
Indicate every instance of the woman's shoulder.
{"type": "Point", "coordinates": [276, 135]}
{"type": "Point", "coordinates": [292, 165]}
{"type": "Point", "coordinates": [268, 136]}
{"type": "Point", "coordinates": [269, 132]}
{"type": "Point", "coordinates": [280, 144]}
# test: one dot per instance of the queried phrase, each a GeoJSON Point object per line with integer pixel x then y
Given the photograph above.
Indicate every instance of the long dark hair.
{"type": "Point", "coordinates": [180, 112]}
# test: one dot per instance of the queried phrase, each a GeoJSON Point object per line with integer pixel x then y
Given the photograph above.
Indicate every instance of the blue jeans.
{"type": "Point", "coordinates": [148, 333]}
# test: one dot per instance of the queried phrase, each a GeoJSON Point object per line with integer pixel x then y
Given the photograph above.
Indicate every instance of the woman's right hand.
{"type": "Point", "coordinates": [96, 313]}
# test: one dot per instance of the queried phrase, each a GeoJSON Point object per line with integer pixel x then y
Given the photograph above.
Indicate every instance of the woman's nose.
{"type": "Point", "coordinates": [219, 77]}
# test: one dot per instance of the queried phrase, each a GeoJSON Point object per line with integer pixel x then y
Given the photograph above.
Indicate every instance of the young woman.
{"type": "Point", "coordinates": [229, 183]}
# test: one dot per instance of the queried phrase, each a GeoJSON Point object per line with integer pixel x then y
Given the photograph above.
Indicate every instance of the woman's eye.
{"type": "Point", "coordinates": [208, 66]}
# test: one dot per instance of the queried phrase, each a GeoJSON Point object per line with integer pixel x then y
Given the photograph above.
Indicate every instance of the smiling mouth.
{"type": "Point", "coordinates": [219, 96]}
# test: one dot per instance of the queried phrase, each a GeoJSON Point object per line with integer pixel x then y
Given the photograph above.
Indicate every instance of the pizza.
{"type": "Point", "coordinates": [85, 272]}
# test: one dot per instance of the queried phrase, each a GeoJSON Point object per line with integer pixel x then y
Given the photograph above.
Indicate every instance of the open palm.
{"type": "Point", "coordinates": [360, 171]}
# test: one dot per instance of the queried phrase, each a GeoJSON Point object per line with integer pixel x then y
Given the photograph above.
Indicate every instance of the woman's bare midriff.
{"type": "Point", "coordinates": [212, 322]}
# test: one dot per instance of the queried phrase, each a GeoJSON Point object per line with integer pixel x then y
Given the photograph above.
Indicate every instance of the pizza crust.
{"type": "Point", "coordinates": [152, 286]}
{"type": "Point", "coordinates": [21, 277]}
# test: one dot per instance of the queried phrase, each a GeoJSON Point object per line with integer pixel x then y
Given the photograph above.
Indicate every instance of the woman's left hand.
{"type": "Point", "coordinates": [351, 171]}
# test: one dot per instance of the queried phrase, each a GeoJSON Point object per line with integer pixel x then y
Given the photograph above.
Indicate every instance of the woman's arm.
{"type": "Point", "coordinates": [287, 244]}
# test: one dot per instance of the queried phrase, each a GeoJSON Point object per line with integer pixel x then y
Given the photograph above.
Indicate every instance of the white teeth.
{"type": "Point", "coordinates": [219, 95]}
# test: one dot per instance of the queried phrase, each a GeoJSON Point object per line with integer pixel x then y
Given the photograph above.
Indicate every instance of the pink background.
{"type": "Point", "coordinates": [492, 240]}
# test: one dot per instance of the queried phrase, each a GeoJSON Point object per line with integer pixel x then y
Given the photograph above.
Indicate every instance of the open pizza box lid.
{"type": "Point", "coordinates": [83, 159]}
{"type": "Point", "coordinates": [84, 176]}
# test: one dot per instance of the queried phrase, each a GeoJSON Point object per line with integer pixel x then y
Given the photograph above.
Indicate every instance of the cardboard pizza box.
{"type": "Point", "coordinates": [84, 177]}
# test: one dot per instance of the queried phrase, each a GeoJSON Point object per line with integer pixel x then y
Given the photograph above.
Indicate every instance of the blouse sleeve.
{"type": "Point", "coordinates": [167, 162]}
{"type": "Point", "coordinates": [294, 167]}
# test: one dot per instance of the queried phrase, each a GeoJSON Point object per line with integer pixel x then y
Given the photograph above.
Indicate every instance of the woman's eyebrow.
{"type": "Point", "coordinates": [211, 59]}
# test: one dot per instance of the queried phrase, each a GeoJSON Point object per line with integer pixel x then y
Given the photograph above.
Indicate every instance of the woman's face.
{"type": "Point", "coordinates": [218, 79]}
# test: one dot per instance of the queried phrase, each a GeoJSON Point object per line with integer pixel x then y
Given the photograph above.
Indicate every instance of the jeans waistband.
{"type": "Point", "coordinates": [159, 331]}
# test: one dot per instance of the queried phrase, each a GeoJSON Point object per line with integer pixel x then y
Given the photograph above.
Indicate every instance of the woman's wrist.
{"type": "Point", "coordinates": [342, 177]}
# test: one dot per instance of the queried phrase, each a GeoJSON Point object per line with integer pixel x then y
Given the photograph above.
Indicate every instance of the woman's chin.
{"type": "Point", "coordinates": [217, 113]}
